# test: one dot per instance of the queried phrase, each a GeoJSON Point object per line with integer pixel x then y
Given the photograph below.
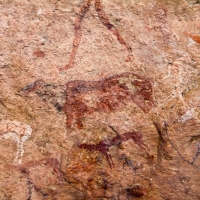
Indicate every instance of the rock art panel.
{"type": "Point", "coordinates": [17, 131]}
{"type": "Point", "coordinates": [74, 153]}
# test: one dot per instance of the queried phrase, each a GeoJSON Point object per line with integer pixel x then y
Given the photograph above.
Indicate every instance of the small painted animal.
{"type": "Point", "coordinates": [104, 145]}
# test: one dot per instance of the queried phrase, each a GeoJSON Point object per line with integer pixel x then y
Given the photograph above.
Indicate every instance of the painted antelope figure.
{"type": "Point", "coordinates": [104, 145]}
{"type": "Point", "coordinates": [82, 98]}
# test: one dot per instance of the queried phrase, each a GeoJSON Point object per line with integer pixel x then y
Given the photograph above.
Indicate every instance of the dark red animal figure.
{"type": "Point", "coordinates": [86, 97]}
{"type": "Point", "coordinates": [78, 98]}
{"type": "Point", "coordinates": [104, 145]}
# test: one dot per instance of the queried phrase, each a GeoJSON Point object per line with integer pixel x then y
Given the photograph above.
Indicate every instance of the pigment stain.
{"type": "Point", "coordinates": [39, 54]}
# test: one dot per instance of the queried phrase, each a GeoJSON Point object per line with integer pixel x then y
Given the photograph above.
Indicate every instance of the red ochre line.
{"type": "Point", "coordinates": [78, 32]}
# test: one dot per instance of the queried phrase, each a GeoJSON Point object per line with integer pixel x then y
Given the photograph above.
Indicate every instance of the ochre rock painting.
{"type": "Point", "coordinates": [107, 95]}
{"type": "Point", "coordinates": [110, 90]}
{"type": "Point", "coordinates": [86, 97]}
{"type": "Point", "coordinates": [18, 132]}
{"type": "Point", "coordinates": [104, 145]}
{"type": "Point", "coordinates": [105, 21]}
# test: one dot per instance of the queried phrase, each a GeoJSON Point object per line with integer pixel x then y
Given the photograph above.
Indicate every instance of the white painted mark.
{"type": "Point", "coordinates": [17, 131]}
{"type": "Point", "coordinates": [188, 115]}
{"type": "Point", "coordinates": [39, 12]}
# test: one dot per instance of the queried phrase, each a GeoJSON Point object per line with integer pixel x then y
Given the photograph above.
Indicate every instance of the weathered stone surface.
{"type": "Point", "coordinates": [99, 99]}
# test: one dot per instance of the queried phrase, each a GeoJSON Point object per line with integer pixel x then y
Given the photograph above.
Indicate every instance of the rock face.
{"type": "Point", "coordinates": [100, 100]}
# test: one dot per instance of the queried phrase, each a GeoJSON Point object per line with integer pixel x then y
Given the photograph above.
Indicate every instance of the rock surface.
{"type": "Point", "coordinates": [99, 99]}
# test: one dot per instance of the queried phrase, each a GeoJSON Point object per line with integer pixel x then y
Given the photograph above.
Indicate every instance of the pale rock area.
{"type": "Point", "coordinates": [103, 128]}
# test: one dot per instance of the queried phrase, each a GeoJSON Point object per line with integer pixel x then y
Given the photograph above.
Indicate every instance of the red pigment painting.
{"type": "Point", "coordinates": [79, 99]}
{"type": "Point", "coordinates": [105, 21]}
{"type": "Point", "coordinates": [104, 145]}
{"type": "Point", "coordinates": [109, 94]}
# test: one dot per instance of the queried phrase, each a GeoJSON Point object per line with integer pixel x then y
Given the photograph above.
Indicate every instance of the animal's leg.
{"type": "Point", "coordinates": [104, 19]}
{"type": "Point", "coordinates": [143, 145]}
{"type": "Point", "coordinates": [77, 33]}
{"type": "Point", "coordinates": [69, 118]}
{"type": "Point", "coordinates": [69, 112]}
{"type": "Point", "coordinates": [16, 138]}
{"type": "Point", "coordinates": [79, 123]}
{"type": "Point", "coordinates": [109, 159]}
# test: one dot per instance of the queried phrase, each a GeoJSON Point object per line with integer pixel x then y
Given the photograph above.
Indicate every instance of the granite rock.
{"type": "Point", "coordinates": [99, 99]}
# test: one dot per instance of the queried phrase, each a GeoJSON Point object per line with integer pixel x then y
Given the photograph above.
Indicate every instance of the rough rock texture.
{"type": "Point", "coordinates": [99, 99]}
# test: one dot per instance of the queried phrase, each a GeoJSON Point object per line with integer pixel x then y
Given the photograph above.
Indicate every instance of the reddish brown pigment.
{"type": "Point", "coordinates": [195, 38]}
{"type": "Point", "coordinates": [111, 94]}
{"type": "Point", "coordinates": [104, 145]}
{"type": "Point", "coordinates": [32, 87]}
{"type": "Point", "coordinates": [105, 21]}
{"type": "Point", "coordinates": [136, 191]}
{"type": "Point", "coordinates": [82, 98]}
{"type": "Point", "coordinates": [39, 53]}
{"type": "Point", "coordinates": [51, 162]}
{"type": "Point", "coordinates": [32, 184]}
